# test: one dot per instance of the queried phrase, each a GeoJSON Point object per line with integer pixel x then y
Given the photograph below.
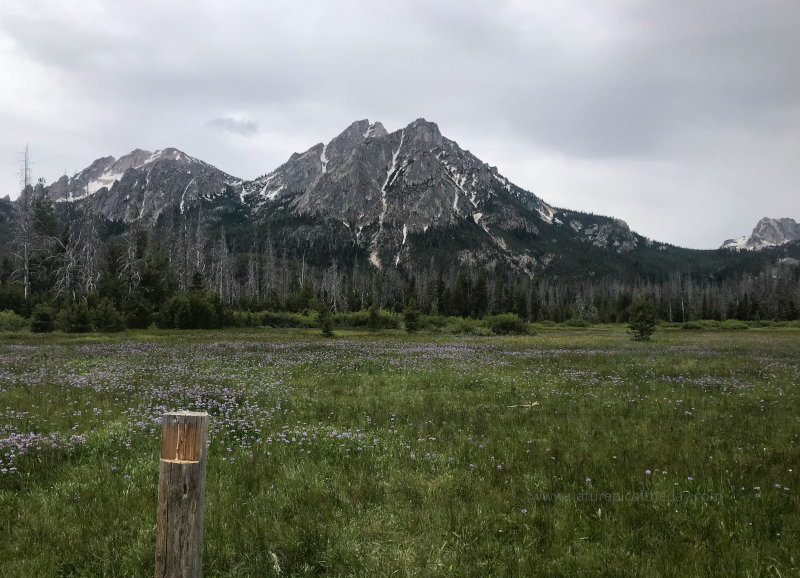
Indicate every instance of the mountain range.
{"type": "Point", "coordinates": [407, 199]}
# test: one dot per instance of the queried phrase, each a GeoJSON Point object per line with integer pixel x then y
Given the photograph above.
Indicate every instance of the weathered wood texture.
{"type": "Point", "coordinates": [181, 495]}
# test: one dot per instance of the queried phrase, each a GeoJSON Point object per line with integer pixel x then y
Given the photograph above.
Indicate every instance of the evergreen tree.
{"type": "Point", "coordinates": [374, 320]}
{"type": "Point", "coordinates": [480, 297]}
{"type": "Point", "coordinates": [106, 317]}
{"type": "Point", "coordinates": [42, 319]}
{"type": "Point", "coordinates": [326, 320]}
{"type": "Point", "coordinates": [411, 316]}
{"type": "Point", "coordinates": [642, 319]}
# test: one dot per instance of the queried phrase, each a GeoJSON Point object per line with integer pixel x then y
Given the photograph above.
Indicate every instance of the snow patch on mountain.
{"type": "Point", "coordinates": [105, 180]}
{"type": "Point", "coordinates": [324, 159]}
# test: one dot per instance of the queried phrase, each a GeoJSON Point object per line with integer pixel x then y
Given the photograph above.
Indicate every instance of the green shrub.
{"type": "Point", "coordinates": [74, 318]}
{"type": "Point", "coordinates": [433, 322]}
{"type": "Point", "coordinates": [285, 319]}
{"type": "Point", "coordinates": [734, 325]}
{"type": "Point", "coordinates": [692, 326]}
{"type": "Point", "coordinates": [138, 311]}
{"type": "Point", "coordinates": [106, 317]}
{"type": "Point", "coordinates": [43, 319]}
{"type": "Point", "coordinates": [192, 311]}
{"type": "Point", "coordinates": [463, 325]}
{"type": "Point", "coordinates": [577, 322]}
{"type": "Point", "coordinates": [354, 319]}
{"type": "Point", "coordinates": [244, 319]}
{"type": "Point", "coordinates": [10, 321]}
{"type": "Point", "coordinates": [507, 324]}
{"type": "Point", "coordinates": [374, 319]}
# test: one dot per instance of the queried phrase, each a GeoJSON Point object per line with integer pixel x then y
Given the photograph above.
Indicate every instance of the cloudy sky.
{"type": "Point", "coordinates": [680, 116]}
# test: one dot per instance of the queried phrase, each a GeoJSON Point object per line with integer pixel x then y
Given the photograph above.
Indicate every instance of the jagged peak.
{"type": "Point", "coordinates": [768, 232]}
{"type": "Point", "coordinates": [423, 133]}
{"type": "Point", "coordinates": [356, 130]}
{"type": "Point", "coordinates": [375, 130]}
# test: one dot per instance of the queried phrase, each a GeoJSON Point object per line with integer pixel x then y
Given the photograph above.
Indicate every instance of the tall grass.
{"type": "Point", "coordinates": [567, 452]}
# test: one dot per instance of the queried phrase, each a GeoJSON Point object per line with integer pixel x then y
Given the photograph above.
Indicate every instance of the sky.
{"type": "Point", "coordinates": [681, 117]}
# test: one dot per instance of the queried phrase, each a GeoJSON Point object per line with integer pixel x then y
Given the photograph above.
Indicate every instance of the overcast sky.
{"type": "Point", "coordinates": [681, 117]}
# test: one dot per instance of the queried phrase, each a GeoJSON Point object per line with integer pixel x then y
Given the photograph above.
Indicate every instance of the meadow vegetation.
{"type": "Point", "coordinates": [567, 451]}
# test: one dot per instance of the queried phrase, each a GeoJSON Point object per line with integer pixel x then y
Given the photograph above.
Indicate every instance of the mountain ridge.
{"type": "Point", "coordinates": [383, 188]}
{"type": "Point", "coordinates": [406, 199]}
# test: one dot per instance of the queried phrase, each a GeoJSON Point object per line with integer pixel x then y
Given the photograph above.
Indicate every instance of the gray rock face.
{"type": "Point", "coordinates": [767, 233]}
{"type": "Point", "coordinates": [387, 186]}
{"type": "Point", "coordinates": [141, 185]}
{"type": "Point", "coordinates": [613, 234]}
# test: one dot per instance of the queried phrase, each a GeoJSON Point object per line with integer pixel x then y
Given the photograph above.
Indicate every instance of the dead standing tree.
{"type": "Point", "coordinates": [24, 233]}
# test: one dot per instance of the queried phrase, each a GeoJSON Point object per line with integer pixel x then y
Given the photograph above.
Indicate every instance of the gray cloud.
{"type": "Point", "coordinates": [614, 109]}
{"type": "Point", "coordinates": [238, 126]}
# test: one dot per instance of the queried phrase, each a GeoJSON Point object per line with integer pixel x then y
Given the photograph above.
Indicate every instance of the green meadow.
{"type": "Point", "coordinates": [570, 451]}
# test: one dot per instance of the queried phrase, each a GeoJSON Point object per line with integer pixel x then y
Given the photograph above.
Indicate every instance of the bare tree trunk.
{"type": "Point", "coordinates": [24, 230]}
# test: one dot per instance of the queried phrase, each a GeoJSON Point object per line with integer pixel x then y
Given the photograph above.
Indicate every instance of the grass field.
{"type": "Point", "coordinates": [567, 452]}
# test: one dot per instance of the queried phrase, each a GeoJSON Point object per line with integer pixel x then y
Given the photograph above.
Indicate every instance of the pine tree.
{"type": "Point", "coordinates": [326, 320]}
{"type": "Point", "coordinates": [411, 316]}
{"type": "Point", "coordinates": [642, 319]}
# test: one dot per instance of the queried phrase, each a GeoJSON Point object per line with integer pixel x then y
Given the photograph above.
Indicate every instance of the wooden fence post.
{"type": "Point", "coordinates": [181, 494]}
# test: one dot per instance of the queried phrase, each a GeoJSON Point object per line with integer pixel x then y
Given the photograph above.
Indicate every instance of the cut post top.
{"type": "Point", "coordinates": [184, 435]}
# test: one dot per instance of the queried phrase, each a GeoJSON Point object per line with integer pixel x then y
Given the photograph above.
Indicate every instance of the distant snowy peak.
{"type": "Point", "coordinates": [767, 233]}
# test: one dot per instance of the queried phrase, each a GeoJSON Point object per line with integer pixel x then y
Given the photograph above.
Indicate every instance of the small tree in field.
{"type": "Point", "coordinates": [642, 319]}
{"type": "Point", "coordinates": [325, 320]}
{"type": "Point", "coordinates": [411, 316]}
{"type": "Point", "coordinates": [374, 319]}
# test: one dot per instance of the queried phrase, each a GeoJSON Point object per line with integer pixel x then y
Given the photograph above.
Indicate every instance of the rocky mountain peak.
{"type": "Point", "coordinates": [423, 134]}
{"type": "Point", "coordinates": [768, 232]}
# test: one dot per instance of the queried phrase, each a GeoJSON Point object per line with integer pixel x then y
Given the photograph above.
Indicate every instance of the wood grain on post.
{"type": "Point", "coordinates": [181, 495]}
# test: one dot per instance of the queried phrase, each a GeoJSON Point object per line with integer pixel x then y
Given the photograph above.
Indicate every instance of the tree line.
{"type": "Point", "coordinates": [71, 269]}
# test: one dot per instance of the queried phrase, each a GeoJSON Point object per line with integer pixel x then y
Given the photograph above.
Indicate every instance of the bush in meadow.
{"type": "Point", "coordinates": [192, 311]}
{"type": "Point", "coordinates": [74, 318]}
{"type": "Point", "coordinates": [734, 325]}
{"type": "Point", "coordinates": [284, 319]}
{"type": "Point", "coordinates": [507, 324]}
{"type": "Point", "coordinates": [106, 317]}
{"type": "Point", "coordinates": [10, 321]}
{"type": "Point", "coordinates": [435, 323]}
{"type": "Point", "coordinates": [43, 319]}
{"type": "Point", "coordinates": [138, 311]}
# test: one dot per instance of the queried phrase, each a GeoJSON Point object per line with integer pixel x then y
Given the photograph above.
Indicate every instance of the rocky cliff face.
{"type": "Point", "coordinates": [767, 233]}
